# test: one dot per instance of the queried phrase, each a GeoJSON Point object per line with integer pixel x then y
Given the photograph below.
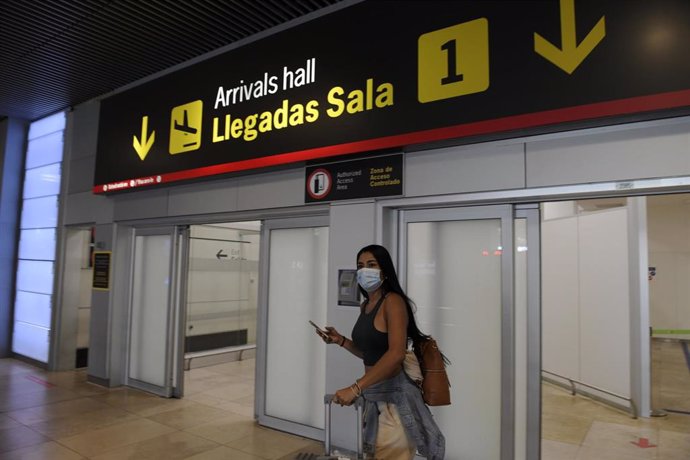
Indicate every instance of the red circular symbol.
{"type": "Point", "coordinates": [319, 184]}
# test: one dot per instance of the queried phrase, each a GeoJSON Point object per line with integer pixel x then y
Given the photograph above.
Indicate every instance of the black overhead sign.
{"type": "Point", "coordinates": [386, 74]}
{"type": "Point", "coordinates": [378, 176]}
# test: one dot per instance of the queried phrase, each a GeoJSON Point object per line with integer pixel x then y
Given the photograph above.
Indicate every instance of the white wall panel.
{"type": "Point", "coordinates": [669, 252]}
{"type": "Point", "coordinates": [37, 244]}
{"type": "Point", "coordinates": [33, 308]}
{"type": "Point", "coordinates": [663, 291]}
{"type": "Point", "coordinates": [619, 155]}
{"type": "Point", "coordinates": [141, 205]}
{"type": "Point", "coordinates": [32, 341]}
{"type": "Point", "coordinates": [44, 150]}
{"type": "Point", "coordinates": [35, 276]}
{"type": "Point", "coordinates": [605, 300]}
{"type": "Point", "coordinates": [560, 297]}
{"type": "Point", "coordinates": [42, 181]}
{"type": "Point", "coordinates": [84, 208]}
{"type": "Point", "coordinates": [48, 125]}
{"type": "Point", "coordinates": [272, 190]}
{"type": "Point", "coordinates": [203, 198]}
{"type": "Point", "coordinates": [464, 169]}
{"type": "Point", "coordinates": [81, 175]}
{"type": "Point", "coordinates": [40, 212]}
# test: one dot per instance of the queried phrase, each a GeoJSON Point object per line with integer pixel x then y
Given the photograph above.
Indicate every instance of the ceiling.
{"type": "Point", "coordinates": [55, 54]}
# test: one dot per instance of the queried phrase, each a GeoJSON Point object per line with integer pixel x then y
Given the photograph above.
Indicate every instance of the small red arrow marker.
{"type": "Point", "coordinates": [643, 443]}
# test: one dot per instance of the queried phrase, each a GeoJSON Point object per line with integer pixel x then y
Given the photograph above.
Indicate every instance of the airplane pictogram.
{"type": "Point", "coordinates": [185, 127]}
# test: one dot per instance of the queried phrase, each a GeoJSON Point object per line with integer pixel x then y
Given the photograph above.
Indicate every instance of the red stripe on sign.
{"type": "Point", "coordinates": [550, 117]}
{"type": "Point", "coordinates": [40, 381]}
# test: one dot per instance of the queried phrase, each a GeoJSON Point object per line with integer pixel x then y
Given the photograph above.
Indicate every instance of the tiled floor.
{"type": "Point", "coordinates": [577, 428]}
{"type": "Point", "coordinates": [59, 416]}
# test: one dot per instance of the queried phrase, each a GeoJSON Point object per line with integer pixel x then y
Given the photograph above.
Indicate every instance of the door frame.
{"type": "Point", "coordinates": [493, 212]}
{"type": "Point", "coordinates": [388, 224]}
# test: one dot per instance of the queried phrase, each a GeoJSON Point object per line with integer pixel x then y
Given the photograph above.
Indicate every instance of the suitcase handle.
{"type": "Point", "coordinates": [359, 405]}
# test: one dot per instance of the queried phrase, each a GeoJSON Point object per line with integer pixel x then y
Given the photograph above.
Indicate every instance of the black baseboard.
{"type": "Point", "coordinates": [212, 341]}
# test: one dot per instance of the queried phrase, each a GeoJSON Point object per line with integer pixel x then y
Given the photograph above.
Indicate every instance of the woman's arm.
{"type": "Point", "coordinates": [335, 337]}
{"type": "Point", "coordinates": [395, 315]}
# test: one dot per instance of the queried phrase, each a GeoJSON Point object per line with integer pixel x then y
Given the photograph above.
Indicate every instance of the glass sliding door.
{"type": "Point", "coordinates": [154, 316]}
{"type": "Point", "coordinates": [458, 268]}
{"type": "Point", "coordinates": [292, 365]}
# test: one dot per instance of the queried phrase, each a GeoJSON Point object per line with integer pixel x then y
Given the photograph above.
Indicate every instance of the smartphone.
{"type": "Point", "coordinates": [322, 332]}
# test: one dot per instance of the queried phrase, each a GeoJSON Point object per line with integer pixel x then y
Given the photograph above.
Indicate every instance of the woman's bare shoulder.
{"type": "Point", "coordinates": [395, 302]}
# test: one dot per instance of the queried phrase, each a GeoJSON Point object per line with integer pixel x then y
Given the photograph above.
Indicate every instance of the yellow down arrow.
{"type": "Point", "coordinates": [142, 148]}
{"type": "Point", "coordinates": [570, 55]}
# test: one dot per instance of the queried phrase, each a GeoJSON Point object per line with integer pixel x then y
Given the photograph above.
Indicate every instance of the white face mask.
{"type": "Point", "coordinates": [369, 278]}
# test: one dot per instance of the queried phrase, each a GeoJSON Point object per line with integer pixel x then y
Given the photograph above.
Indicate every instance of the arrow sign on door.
{"type": "Point", "coordinates": [220, 254]}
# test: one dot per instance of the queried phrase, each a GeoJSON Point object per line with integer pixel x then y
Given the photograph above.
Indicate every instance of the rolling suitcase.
{"type": "Point", "coordinates": [330, 454]}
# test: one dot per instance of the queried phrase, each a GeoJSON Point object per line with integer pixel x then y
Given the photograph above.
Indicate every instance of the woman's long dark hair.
{"type": "Point", "coordinates": [391, 284]}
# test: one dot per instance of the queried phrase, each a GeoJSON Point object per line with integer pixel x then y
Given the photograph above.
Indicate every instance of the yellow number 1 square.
{"type": "Point", "coordinates": [453, 61]}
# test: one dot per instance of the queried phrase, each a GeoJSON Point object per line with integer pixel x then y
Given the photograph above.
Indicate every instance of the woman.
{"type": "Point", "coordinates": [396, 420]}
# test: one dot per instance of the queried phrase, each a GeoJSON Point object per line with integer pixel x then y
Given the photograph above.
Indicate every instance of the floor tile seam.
{"type": "Point", "coordinates": [44, 439]}
{"type": "Point", "coordinates": [109, 425]}
{"type": "Point", "coordinates": [209, 420]}
{"type": "Point", "coordinates": [56, 419]}
{"type": "Point", "coordinates": [121, 445]}
{"type": "Point", "coordinates": [22, 425]}
{"type": "Point", "coordinates": [91, 428]}
{"type": "Point", "coordinates": [67, 447]}
{"type": "Point", "coordinates": [170, 433]}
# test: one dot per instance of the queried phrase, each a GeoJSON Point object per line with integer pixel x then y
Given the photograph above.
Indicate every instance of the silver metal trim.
{"type": "Point", "coordinates": [640, 308]}
{"type": "Point", "coordinates": [180, 309]}
{"type": "Point", "coordinates": [533, 441]}
{"type": "Point", "coordinates": [508, 335]}
{"type": "Point", "coordinates": [540, 194]}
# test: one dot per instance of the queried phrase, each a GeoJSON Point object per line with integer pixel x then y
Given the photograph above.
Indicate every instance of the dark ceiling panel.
{"type": "Point", "coordinates": [58, 53]}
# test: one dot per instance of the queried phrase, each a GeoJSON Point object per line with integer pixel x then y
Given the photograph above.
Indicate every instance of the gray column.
{"type": "Point", "coordinates": [12, 145]}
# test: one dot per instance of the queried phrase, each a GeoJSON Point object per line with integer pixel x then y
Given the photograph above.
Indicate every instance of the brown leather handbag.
{"type": "Point", "coordinates": [435, 383]}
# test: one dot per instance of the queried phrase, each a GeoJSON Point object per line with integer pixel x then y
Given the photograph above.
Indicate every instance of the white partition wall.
{"type": "Point", "coordinates": [560, 297]}
{"type": "Point", "coordinates": [586, 299]}
{"type": "Point", "coordinates": [295, 357]}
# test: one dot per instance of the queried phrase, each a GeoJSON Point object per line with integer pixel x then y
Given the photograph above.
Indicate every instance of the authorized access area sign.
{"type": "Point", "coordinates": [380, 75]}
{"type": "Point", "coordinates": [344, 180]}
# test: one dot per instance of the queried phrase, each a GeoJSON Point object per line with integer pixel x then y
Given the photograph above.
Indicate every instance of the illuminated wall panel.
{"type": "Point", "coordinates": [37, 240]}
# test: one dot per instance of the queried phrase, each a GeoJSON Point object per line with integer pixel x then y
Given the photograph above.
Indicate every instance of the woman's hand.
{"type": "Point", "coordinates": [345, 396]}
{"type": "Point", "coordinates": [331, 336]}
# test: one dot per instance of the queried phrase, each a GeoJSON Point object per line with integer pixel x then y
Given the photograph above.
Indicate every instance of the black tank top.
{"type": "Point", "coordinates": [369, 340]}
